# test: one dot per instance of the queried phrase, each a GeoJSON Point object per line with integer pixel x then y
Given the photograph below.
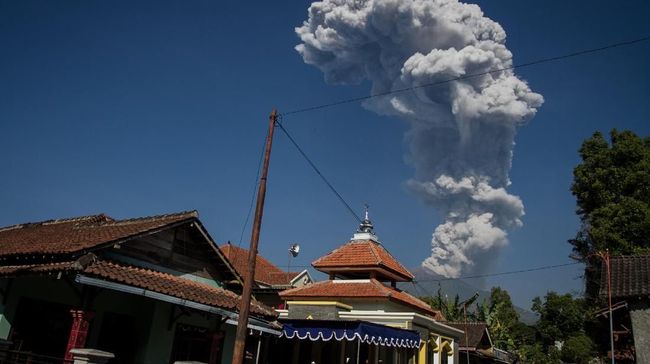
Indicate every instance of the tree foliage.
{"type": "Point", "coordinates": [502, 319]}
{"type": "Point", "coordinates": [560, 317]}
{"type": "Point", "coordinates": [612, 189]}
{"type": "Point", "coordinates": [450, 308]}
{"type": "Point", "coordinates": [577, 349]}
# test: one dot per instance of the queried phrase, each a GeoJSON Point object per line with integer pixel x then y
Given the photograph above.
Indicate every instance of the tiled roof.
{"type": "Point", "coordinates": [78, 234]}
{"type": "Point", "coordinates": [630, 277]}
{"type": "Point", "coordinates": [361, 288]}
{"type": "Point", "coordinates": [362, 254]}
{"type": "Point", "coordinates": [27, 269]}
{"type": "Point", "coordinates": [265, 272]}
{"type": "Point", "coordinates": [142, 278]}
{"type": "Point", "coordinates": [473, 333]}
{"type": "Point", "coordinates": [171, 285]}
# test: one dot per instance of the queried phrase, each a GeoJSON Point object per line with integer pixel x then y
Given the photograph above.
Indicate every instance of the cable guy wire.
{"type": "Point", "coordinates": [313, 166]}
{"type": "Point", "coordinates": [521, 65]}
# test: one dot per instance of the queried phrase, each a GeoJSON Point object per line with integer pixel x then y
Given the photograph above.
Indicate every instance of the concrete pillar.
{"type": "Point", "coordinates": [422, 356]}
{"type": "Point", "coordinates": [78, 331]}
{"type": "Point", "coordinates": [90, 356]}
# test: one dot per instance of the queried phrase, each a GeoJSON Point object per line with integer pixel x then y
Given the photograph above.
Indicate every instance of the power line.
{"type": "Point", "coordinates": [313, 166]}
{"type": "Point", "coordinates": [546, 267]}
{"type": "Point", "coordinates": [503, 273]}
{"type": "Point", "coordinates": [250, 207]}
{"type": "Point", "coordinates": [521, 65]}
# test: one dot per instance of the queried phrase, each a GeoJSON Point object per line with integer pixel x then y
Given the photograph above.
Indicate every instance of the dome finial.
{"type": "Point", "coordinates": [366, 225]}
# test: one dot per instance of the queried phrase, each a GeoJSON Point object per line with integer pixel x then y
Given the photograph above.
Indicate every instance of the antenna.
{"type": "Point", "coordinates": [294, 250]}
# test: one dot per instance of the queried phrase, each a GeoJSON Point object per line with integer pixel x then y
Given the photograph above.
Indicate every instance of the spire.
{"type": "Point", "coordinates": [366, 229]}
{"type": "Point", "coordinates": [366, 225]}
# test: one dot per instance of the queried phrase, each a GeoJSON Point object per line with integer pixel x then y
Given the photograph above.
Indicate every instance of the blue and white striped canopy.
{"type": "Point", "coordinates": [365, 332]}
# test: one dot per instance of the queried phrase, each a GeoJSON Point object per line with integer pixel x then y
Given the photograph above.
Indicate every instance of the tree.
{"type": "Point", "coordinates": [560, 317]}
{"type": "Point", "coordinates": [612, 189]}
{"type": "Point", "coordinates": [501, 319]}
{"type": "Point", "coordinates": [535, 354]}
{"type": "Point", "coordinates": [451, 309]}
{"type": "Point", "coordinates": [577, 349]}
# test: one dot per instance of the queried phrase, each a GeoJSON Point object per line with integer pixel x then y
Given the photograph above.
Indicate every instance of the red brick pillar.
{"type": "Point", "coordinates": [215, 347]}
{"type": "Point", "coordinates": [78, 331]}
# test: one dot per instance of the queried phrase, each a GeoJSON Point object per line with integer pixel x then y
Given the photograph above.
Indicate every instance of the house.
{"type": "Point", "coordinates": [359, 316]}
{"type": "Point", "coordinates": [630, 292]}
{"type": "Point", "coordinates": [476, 347]}
{"type": "Point", "coordinates": [269, 279]}
{"type": "Point", "coordinates": [149, 290]}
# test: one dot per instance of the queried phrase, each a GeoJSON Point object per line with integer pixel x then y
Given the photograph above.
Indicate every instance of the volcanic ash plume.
{"type": "Point", "coordinates": [461, 133]}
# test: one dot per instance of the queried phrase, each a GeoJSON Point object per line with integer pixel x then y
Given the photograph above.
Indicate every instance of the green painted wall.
{"type": "Point", "coordinates": [229, 342]}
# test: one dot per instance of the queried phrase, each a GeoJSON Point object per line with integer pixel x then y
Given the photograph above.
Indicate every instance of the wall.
{"type": "Point", "coordinates": [640, 315]}
{"type": "Point", "coordinates": [153, 334]}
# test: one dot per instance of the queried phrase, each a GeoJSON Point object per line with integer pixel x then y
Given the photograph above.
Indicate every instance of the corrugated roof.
{"type": "Point", "coordinates": [365, 254]}
{"type": "Point", "coordinates": [361, 288]}
{"type": "Point", "coordinates": [78, 234]}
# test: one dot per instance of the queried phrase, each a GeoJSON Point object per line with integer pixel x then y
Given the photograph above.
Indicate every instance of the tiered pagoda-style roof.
{"type": "Point", "coordinates": [358, 272]}
{"type": "Point", "coordinates": [363, 257]}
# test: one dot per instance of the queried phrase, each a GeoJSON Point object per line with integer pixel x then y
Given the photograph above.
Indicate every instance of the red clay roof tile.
{"type": "Point", "coordinates": [265, 271]}
{"type": "Point", "coordinates": [78, 234]}
{"type": "Point", "coordinates": [360, 288]}
{"type": "Point", "coordinates": [174, 286]}
{"type": "Point", "coordinates": [362, 254]}
{"type": "Point", "coordinates": [143, 278]}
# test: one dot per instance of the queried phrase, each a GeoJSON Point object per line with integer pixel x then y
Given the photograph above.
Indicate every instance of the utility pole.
{"type": "Point", "coordinates": [609, 302]}
{"type": "Point", "coordinates": [242, 323]}
{"type": "Point", "coordinates": [466, 303]}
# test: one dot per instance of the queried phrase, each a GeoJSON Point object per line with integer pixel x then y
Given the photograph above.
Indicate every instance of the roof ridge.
{"type": "Point", "coordinates": [100, 216]}
{"type": "Point", "coordinates": [374, 252]}
{"type": "Point", "coordinates": [394, 260]}
{"type": "Point", "coordinates": [135, 220]}
{"type": "Point", "coordinates": [384, 289]}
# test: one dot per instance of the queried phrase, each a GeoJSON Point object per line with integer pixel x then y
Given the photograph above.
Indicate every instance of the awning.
{"type": "Point", "coordinates": [365, 332]}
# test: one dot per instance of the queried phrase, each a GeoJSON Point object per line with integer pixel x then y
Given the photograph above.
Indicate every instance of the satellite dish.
{"type": "Point", "coordinates": [294, 250]}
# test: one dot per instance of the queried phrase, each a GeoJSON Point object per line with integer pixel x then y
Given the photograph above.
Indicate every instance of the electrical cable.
{"type": "Point", "coordinates": [250, 208]}
{"type": "Point", "coordinates": [320, 174]}
{"type": "Point", "coordinates": [521, 65]}
{"type": "Point", "coordinates": [503, 273]}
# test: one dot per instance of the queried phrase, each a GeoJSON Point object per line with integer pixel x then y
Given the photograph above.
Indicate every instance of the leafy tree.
{"type": "Point", "coordinates": [612, 189]}
{"type": "Point", "coordinates": [577, 349]}
{"type": "Point", "coordinates": [535, 354]}
{"type": "Point", "coordinates": [502, 319]}
{"type": "Point", "coordinates": [560, 317]}
{"type": "Point", "coordinates": [451, 309]}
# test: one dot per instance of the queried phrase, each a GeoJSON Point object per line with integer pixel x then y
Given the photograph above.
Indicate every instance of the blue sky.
{"type": "Point", "coordinates": [148, 107]}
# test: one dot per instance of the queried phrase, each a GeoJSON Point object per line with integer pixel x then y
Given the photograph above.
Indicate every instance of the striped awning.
{"type": "Point", "coordinates": [362, 331]}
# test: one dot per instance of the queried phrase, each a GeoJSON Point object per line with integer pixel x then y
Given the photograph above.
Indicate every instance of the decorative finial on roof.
{"type": "Point", "coordinates": [366, 225]}
{"type": "Point", "coordinates": [366, 229]}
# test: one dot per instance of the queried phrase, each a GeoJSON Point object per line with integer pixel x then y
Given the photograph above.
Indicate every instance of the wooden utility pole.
{"type": "Point", "coordinates": [242, 323]}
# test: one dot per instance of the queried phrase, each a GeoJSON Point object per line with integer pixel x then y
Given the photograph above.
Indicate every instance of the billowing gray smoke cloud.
{"type": "Point", "coordinates": [461, 133]}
